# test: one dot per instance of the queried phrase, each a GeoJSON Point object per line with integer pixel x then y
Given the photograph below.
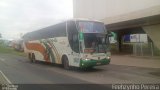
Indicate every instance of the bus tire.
{"type": "Point", "coordinates": [33, 58]}
{"type": "Point", "coordinates": [30, 57]}
{"type": "Point", "coordinates": [65, 62]}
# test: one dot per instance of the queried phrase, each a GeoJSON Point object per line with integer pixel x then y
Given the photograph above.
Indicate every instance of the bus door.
{"type": "Point", "coordinates": [74, 42]}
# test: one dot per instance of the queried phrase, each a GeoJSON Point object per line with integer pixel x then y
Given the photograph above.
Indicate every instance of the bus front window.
{"type": "Point", "coordinates": [91, 27]}
{"type": "Point", "coordinates": [94, 43]}
{"type": "Point", "coordinates": [94, 36]}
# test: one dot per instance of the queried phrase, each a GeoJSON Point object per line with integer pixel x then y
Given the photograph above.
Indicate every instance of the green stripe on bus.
{"type": "Point", "coordinates": [50, 53]}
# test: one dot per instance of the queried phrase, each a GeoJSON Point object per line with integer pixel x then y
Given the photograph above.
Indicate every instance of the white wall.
{"type": "Point", "coordinates": [101, 9]}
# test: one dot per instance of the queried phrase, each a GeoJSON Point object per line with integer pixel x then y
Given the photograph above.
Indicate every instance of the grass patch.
{"type": "Point", "coordinates": [9, 50]}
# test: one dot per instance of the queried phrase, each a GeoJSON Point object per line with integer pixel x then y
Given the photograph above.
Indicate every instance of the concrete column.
{"type": "Point", "coordinates": [119, 42]}
{"type": "Point", "coordinates": [153, 32]}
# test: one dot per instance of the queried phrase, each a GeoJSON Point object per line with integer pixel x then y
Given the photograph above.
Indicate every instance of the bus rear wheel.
{"type": "Point", "coordinates": [33, 60]}
{"type": "Point", "coordinates": [29, 56]}
{"type": "Point", "coordinates": [65, 63]}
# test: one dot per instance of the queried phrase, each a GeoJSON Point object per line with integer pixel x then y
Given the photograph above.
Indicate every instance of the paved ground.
{"type": "Point", "coordinates": [20, 71]}
{"type": "Point", "coordinates": [128, 60]}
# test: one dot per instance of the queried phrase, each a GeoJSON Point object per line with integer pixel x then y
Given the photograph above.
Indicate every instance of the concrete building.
{"type": "Point", "coordinates": [124, 17]}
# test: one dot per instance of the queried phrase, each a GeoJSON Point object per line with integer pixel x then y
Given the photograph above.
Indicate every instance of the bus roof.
{"type": "Point", "coordinates": [48, 27]}
{"type": "Point", "coordinates": [83, 19]}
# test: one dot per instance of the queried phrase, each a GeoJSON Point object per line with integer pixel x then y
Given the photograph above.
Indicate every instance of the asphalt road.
{"type": "Point", "coordinates": [19, 70]}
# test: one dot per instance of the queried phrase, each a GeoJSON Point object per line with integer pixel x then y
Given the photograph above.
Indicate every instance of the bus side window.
{"type": "Point", "coordinates": [73, 36]}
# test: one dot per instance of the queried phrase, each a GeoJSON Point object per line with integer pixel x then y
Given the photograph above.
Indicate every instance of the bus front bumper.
{"type": "Point", "coordinates": [92, 63]}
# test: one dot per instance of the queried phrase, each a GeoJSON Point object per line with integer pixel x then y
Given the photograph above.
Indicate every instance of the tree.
{"type": "Point", "coordinates": [0, 35]}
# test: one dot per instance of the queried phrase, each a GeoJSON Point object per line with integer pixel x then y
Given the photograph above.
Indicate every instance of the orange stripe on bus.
{"type": "Point", "coordinates": [38, 47]}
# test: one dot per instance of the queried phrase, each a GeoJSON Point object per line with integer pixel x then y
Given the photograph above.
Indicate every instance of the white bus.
{"type": "Point", "coordinates": [78, 43]}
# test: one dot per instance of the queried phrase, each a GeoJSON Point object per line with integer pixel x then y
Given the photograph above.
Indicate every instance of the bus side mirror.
{"type": "Point", "coordinates": [81, 36]}
{"type": "Point", "coordinates": [110, 34]}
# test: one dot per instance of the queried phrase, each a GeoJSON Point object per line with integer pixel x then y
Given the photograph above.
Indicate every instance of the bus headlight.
{"type": "Point", "coordinates": [86, 59]}
{"type": "Point", "coordinates": [108, 57]}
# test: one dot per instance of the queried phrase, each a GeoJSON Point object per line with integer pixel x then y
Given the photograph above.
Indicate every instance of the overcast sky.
{"type": "Point", "coordinates": [21, 16]}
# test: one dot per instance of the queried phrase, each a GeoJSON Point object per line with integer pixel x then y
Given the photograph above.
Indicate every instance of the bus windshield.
{"type": "Point", "coordinates": [95, 42]}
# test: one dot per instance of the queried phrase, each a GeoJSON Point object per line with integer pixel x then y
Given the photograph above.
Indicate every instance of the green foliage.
{"type": "Point", "coordinates": [9, 50]}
